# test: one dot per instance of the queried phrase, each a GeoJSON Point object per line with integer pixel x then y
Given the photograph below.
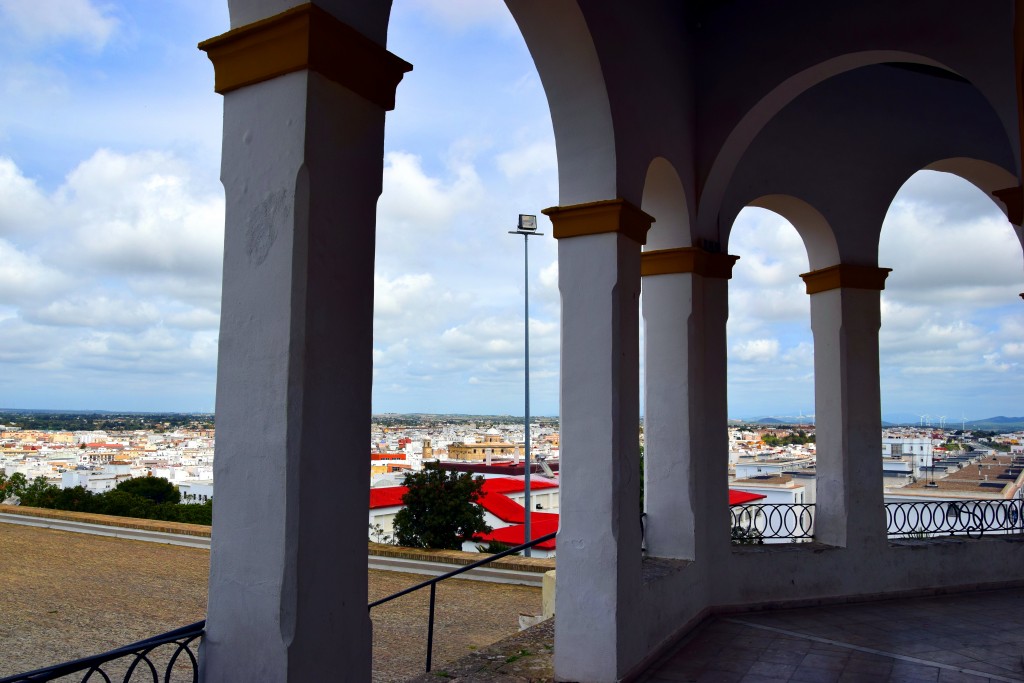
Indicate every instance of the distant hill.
{"type": "Point", "coordinates": [784, 420]}
{"type": "Point", "coordinates": [1000, 423]}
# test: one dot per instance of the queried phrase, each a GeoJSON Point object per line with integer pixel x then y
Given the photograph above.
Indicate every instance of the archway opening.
{"type": "Point", "coordinates": [951, 360]}
{"type": "Point", "coordinates": [770, 370]}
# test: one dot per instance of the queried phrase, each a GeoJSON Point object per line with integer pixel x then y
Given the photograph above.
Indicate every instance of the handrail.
{"type": "Point", "coordinates": [438, 579]}
{"type": "Point", "coordinates": [182, 637]}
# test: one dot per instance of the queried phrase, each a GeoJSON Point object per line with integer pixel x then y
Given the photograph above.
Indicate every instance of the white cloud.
{"type": "Point", "coordinates": [112, 277]}
{"type": "Point", "coordinates": [26, 278]}
{"type": "Point", "coordinates": [415, 207]}
{"type": "Point", "coordinates": [49, 21]}
{"type": "Point", "coordinates": [138, 214]}
{"type": "Point", "coordinates": [757, 350]}
{"type": "Point", "coordinates": [22, 203]}
{"type": "Point", "coordinates": [534, 158]}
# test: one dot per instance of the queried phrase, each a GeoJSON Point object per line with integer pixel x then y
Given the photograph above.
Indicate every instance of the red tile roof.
{"type": "Point", "coordinates": [387, 456]}
{"type": "Point", "coordinates": [388, 496]}
{"type": "Point", "coordinates": [741, 497]}
{"type": "Point", "coordinates": [541, 524]}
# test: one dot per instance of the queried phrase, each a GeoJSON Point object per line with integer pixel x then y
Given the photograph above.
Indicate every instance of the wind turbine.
{"type": "Point", "coordinates": [942, 421]}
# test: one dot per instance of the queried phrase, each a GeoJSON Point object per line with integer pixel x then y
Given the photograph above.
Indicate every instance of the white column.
{"type": "Point", "coordinates": [301, 168]}
{"type": "Point", "coordinates": [845, 319]}
{"type": "Point", "coordinates": [599, 557]}
{"type": "Point", "coordinates": [684, 403]}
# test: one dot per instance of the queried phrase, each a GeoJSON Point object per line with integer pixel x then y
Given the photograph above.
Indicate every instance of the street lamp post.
{"type": "Point", "coordinates": [527, 227]}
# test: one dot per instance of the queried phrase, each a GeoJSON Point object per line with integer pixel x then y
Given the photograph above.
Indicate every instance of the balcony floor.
{"type": "Point", "coordinates": [969, 637]}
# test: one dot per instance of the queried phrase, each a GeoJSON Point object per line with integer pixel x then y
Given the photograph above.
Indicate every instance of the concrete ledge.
{"type": "Point", "coordinates": [460, 558]}
{"type": "Point", "coordinates": [527, 571]}
{"type": "Point", "coordinates": [109, 520]}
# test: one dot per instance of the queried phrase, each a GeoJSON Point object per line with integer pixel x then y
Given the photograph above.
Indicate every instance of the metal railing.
{"type": "Point", "coordinates": [756, 523]}
{"type": "Point", "coordinates": [432, 583]}
{"type": "Point", "coordinates": [972, 518]}
{"type": "Point", "coordinates": [167, 658]}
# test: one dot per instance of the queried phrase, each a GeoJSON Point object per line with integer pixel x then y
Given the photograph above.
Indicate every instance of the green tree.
{"type": "Point", "coordinates": [40, 493]}
{"type": "Point", "coordinates": [14, 485]}
{"type": "Point", "coordinates": [440, 509]}
{"type": "Point", "coordinates": [124, 504]}
{"type": "Point", "coordinates": [156, 489]}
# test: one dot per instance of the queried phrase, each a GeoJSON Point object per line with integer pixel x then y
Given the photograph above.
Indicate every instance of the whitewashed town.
{"type": "Point", "coordinates": [768, 465]}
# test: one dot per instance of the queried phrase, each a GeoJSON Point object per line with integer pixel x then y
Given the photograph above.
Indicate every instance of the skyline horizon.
{"type": "Point", "coordinates": [894, 419]}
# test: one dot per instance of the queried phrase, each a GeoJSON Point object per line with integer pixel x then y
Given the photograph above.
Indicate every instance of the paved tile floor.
{"type": "Point", "coordinates": [969, 638]}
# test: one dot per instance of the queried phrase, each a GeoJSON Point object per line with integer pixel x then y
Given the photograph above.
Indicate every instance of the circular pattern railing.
{"type": "Point", "coordinates": [167, 658]}
{"type": "Point", "coordinates": [972, 518]}
{"type": "Point", "coordinates": [755, 523]}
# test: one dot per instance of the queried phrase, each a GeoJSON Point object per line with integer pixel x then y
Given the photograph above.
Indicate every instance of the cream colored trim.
{"type": "Point", "coordinates": [687, 260]}
{"type": "Point", "coordinates": [845, 276]}
{"type": "Point", "coordinates": [595, 218]}
{"type": "Point", "coordinates": [305, 37]}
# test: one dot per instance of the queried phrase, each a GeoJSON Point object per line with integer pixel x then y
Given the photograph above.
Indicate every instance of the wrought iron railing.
{"type": "Point", "coordinates": [167, 658]}
{"type": "Point", "coordinates": [972, 518]}
{"type": "Point", "coordinates": [760, 522]}
{"type": "Point", "coordinates": [432, 584]}
{"type": "Point", "coordinates": [171, 657]}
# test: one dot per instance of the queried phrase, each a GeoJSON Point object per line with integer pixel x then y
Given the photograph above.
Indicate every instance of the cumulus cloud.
{"type": "Point", "coordinates": [416, 206]}
{"type": "Point", "coordinates": [757, 350]}
{"type": "Point", "coordinates": [138, 214]}
{"type": "Point", "coordinates": [114, 275]}
{"type": "Point", "coordinates": [60, 20]}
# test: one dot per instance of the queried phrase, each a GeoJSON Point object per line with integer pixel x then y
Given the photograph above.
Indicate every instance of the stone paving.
{"type": "Point", "coordinates": [968, 638]}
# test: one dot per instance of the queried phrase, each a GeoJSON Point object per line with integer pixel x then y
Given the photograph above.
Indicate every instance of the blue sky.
{"type": "Point", "coordinates": [111, 233]}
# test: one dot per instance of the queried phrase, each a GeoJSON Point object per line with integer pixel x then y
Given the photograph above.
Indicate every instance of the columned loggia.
{"type": "Point", "coordinates": [304, 103]}
{"type": "Point", "coordinates": [845, 319]}
{"type": "Point", "coordinates": [599, 556]}
{"type": "Point", "coordinates": [685, 308]}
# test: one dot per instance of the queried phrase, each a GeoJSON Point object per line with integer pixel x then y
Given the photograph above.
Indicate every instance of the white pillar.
{"type": "Point", "coordinates": [845, 318]}
{"type": "Point", "coordinates": [599, 557]}
{"type": "Point", "coordinates": [684, 405]}
{"type": "Point", "coordinates": [301, 168]}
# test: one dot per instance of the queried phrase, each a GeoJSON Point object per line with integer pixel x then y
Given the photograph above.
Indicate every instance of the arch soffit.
{"type": "Point", "coordinates": [753, 122]}
{"type": "Point", "coordinates": [665, 199]}
{"type": "Point", "coordinates": [565, 56]}
{"type": "Point", "coordinates": [813, 228]}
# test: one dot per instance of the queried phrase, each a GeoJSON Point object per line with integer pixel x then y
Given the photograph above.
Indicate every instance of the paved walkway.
{"type": "Point", "coordinates": [969, 638]}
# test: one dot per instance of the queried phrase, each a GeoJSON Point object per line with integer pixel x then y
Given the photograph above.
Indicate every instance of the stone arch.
{"type": "Point", "coordinates": [566, 58]}
{"type": "Point", "coordinates": [665, 199]}
{"type": "Point", "coordinates": [730, 154]}
{"type": "Point", "coordinates": [990, 178]}
{"type": "Point", "coordinates": [810, 224]}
